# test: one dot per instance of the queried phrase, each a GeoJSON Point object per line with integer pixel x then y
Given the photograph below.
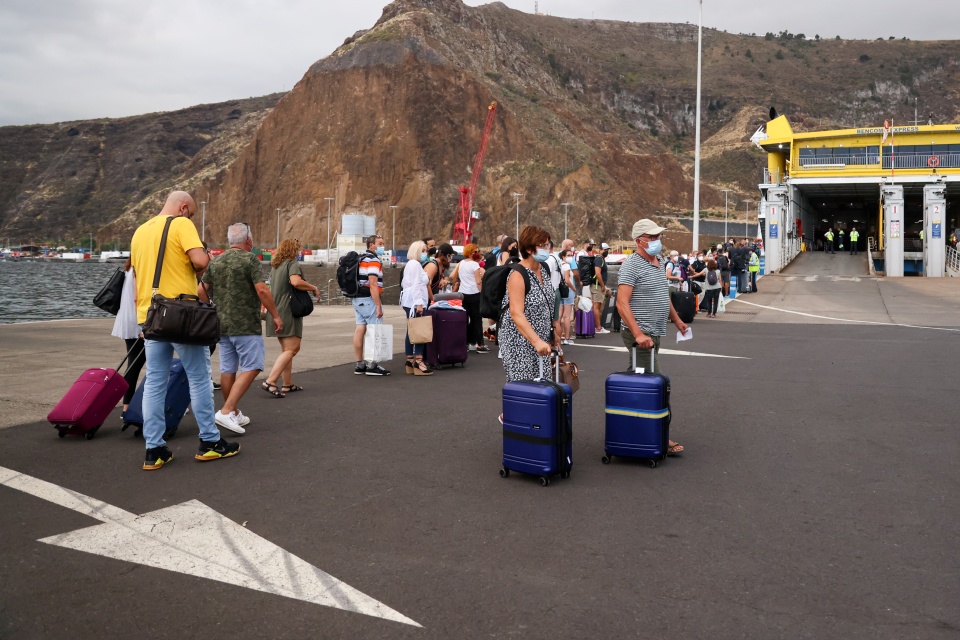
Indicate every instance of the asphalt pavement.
{"type": "Point", "coordinates": [818, 496]}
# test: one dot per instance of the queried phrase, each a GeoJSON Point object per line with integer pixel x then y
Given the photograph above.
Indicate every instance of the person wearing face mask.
{"type": "Point", "coordinates": [469, 275]}
{"type": "Point", "coordinates": [672, 271]}
{"type": "Point", "coordinates": [436, 265]}
{"type": "Point", "coordinates": [414, 297]}
{"type": "Point", "coordinates": [508, 251]}
{"type": "Point", "coordinates": [643, 300]}
{"type": "Point", "coordinates": [599, 290]}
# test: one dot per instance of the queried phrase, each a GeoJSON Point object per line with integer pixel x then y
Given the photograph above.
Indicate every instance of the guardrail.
{"type": "Point", "coordinates": [953, 262]}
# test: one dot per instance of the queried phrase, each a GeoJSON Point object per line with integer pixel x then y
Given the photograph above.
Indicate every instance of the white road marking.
{"type": "Point", "coordinates": [668, 352]}
{"type": "Point", "coordinates": [811, 315]}
{"type": "Point", "coordinates": [194, 539]}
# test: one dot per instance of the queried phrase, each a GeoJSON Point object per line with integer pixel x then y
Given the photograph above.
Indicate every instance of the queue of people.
{"type": "Point", "coordinates": [537, 319]}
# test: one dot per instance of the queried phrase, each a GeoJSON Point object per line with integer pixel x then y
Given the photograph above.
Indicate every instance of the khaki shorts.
{"type": "Point", "coordinates": [597, 295]}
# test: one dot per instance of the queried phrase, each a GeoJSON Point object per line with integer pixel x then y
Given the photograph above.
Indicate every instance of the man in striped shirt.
{"type": "Point", "coordinates": [643, 300]}
{"type": "Point", "coordinates": [366, 305]}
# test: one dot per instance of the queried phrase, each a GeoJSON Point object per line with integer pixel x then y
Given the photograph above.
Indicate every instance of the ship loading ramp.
{"type": "Point", "coordinates": [897, 186]}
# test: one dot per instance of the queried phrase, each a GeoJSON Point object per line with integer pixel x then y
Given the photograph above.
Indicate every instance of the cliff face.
{"type": "Point", "coordinates": [596, 113]}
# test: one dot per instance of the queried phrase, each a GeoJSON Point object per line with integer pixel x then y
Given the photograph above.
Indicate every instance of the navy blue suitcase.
{"type": "Point", "coordinates": [637, 416]}
{"type": "Point", "coordinates": [175, 407]}
{"type": "Point", "coordinates": [537, 429]}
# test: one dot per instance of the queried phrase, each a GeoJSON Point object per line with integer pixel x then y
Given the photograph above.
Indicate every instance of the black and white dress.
{"type": "Point", "coordinates": [520, 359]}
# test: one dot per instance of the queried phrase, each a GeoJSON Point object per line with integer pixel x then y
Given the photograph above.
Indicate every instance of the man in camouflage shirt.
{"type": "Point", "coordinates": [236, 283]}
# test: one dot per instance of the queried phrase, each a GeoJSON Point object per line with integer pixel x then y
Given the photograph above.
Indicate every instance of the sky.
{"type": "Point", "coordinates": [64, 60]}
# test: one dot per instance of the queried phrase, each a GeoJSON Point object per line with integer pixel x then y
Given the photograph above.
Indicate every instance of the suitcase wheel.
{"type": "Point", "coordinates": [652, 463]}
{"type": "Point", "coordinates": [89, 434]}
{"type": "Point", "coordinates": [544, 481]}
{"type": "Point", "coordinates": [606, 459]}
{"type": "Point", "coordinates": [504, 472]}
{"type": "Point", "coordinates": [564, 474]}
{"type": "Point", "coordinates": [61, 433]}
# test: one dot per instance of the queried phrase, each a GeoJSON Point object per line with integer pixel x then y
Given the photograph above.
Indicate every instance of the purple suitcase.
{"type": "Point", "coordinates": [88, 403]}
{"type": "Point", "coordinates": [585, 324]}
{"type": "Point", "coordinates": [449, 345]}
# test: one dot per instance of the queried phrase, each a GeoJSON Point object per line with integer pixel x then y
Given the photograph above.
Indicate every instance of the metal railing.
{"type": "Point", "coordinates": [839, 162]}
{"type": "Point", "coordinates": [953, 262]}
{"type": "Point", "coordinates": [922, 161]}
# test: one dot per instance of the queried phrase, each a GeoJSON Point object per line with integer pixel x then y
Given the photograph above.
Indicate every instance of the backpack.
{"type": "Point", "coordinates": [491, 257]}
{"type": "Point", "coordinates": [712, 277]}
{"type": "Point", "coordinates": [348, 272]}
{"type": "Point", "coordinates": [723, 262]}
{"type": "Point", "coordinates": [585, 269]}
{"type": "Point", "coordinates": [494, 288]}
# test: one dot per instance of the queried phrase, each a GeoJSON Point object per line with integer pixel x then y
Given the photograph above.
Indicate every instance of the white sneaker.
{"type": "Point", "coordinates": [228, 421]}
{"type": "Point", "coordinates": [602, 330]}
{"type": "Point", "coordinates": [242, 420]}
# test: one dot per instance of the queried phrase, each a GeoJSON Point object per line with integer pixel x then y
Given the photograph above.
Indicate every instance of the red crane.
{"type": "Point", "coordinates": [462, 232]}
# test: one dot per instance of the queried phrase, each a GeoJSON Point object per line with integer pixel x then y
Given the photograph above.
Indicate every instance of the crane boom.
{"type": "Point", "coordinates": [462, 229]}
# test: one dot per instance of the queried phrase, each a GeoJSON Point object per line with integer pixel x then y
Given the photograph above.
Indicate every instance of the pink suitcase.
{"type": "Point", "coordinates": [88, 403]}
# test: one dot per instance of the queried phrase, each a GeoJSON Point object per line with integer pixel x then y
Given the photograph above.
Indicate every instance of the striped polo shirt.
{"type": "Point", "coordinates": [370, 265]}
{"type": "Point", "coordinates": [650, 300]}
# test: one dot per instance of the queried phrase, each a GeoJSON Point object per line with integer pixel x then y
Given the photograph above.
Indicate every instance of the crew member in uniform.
{"type": "Point", "coordinates": [854, 236]}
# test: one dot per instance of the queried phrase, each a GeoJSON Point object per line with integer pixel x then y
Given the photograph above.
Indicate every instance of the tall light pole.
{"type": "Point", "coordinates": [696, 162]}
{"type": "Point", "coordinates": [329, 204]}
{"type": "Point", "coordinates": [203, 219]}
{"type": "Point", "coordinates": [746, 213]}
{"type": "Point", "coordinates": [566, 210]}
{"type": "Point", "coordinates": [276, 246]}
{"type": "Point", "coordinates": [393, 248]}
{"type": "Point", "coordinates": [517, 196]}
{"type": "Point", "coordinates": [726, 198]}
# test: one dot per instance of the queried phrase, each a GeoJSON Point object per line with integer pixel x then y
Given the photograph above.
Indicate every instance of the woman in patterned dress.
{"type": "Point", "coordinates": [528, 332]}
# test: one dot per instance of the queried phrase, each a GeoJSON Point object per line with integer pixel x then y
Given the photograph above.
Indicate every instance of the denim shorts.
{"type": "Point", "coordinates": [241, 353]}
{"type": "Point", "coordinates": [366, 311]}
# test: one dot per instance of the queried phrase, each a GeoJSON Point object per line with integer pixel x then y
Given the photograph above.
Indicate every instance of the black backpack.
{"type": "Point", "coordinates": [494, 288]}
{"type": "Point", "coordinates": [723, 262]}
{"type": "Point", "coordinates": [585, 269]}
{"type": "Point", "coordinates": [490, 259]}
{"type": "Point", "coordinates": [348, 272]}
{"type": "Point", "coordinates": [712, 277]}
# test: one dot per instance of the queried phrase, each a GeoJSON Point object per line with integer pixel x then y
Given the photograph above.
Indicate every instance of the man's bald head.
{"type": "Point", "coordinates": [179, 203]}
{"type": "Point", "coordinates": [566, 244]}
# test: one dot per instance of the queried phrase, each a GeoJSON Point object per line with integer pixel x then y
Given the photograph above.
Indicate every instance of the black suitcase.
{"type": "Point", "coordinates": [685, 303]}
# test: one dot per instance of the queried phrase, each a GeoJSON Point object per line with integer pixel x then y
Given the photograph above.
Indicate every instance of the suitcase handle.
{"type": "Point", "coordinates": [127, 357]}
{"type": "Point", "coordinates": [653, 359]}
{"type": "Point", "coordinates": [555, 357]}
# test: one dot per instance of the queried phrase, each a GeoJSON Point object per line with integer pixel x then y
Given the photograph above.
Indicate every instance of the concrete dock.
{"type": "Point", "coordinates": [818, 496]}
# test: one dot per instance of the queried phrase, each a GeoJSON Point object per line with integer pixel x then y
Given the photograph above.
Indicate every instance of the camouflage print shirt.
{"type": "Point", "coordinates": [232, 277]}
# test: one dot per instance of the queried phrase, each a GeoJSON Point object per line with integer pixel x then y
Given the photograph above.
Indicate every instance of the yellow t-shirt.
{"type": "Point", "coordinates": [178, 275]}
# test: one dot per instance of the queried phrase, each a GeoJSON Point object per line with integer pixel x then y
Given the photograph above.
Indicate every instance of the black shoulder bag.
{"type": "Point", "coordinates": [109, 297]}
{"type": "Point", "coordinates": [184, 319]}
{"type": "Point", "coordinates": [301, 304]}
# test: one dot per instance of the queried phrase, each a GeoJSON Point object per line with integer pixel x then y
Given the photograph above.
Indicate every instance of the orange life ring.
{"type": "Point", "coordinates": [933, 161]}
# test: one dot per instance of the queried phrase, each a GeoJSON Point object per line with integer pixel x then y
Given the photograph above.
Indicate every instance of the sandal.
{"type": "Point", "coordinates": [674, 449]}
{"type": "Point", "coordinates": [272, 389]}
{"type": "Point", "coordinates": [290, 388]}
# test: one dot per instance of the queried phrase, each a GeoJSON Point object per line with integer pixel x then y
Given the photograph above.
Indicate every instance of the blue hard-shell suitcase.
{"type": "Point", "coordinates": [637, 416]}
{"type": "Point", "coordinates": [537, 429]}
{"type": "Point", "coordinates": [174, 408]}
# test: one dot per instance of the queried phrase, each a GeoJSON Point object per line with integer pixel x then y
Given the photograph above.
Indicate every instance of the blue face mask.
{"type": "Point", "coordinates": [379, 251]}
{"type": "Point", "coordinates": [423, 257]}
{"type": "Point", "coordinates": [542, 255]}
{"type": "Point", "coordinates": [653, 248]}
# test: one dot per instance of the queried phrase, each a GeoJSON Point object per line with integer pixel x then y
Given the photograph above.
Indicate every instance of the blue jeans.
{"type": "Point", "coordinates": [196, 364]}
{"type": "Point", "coordinates": [411, 349]}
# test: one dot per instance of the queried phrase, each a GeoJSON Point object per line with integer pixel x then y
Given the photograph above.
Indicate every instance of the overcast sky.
{"type": "Point", "coordinates": [78, 59]}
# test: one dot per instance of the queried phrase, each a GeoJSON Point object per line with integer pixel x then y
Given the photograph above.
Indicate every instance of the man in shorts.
{"type": "Point", "coordinates": [599, 291]}
{"type": "Point", "coordinates": [366, 305]}
{"type": "Point", "coordinates": [236, 282]}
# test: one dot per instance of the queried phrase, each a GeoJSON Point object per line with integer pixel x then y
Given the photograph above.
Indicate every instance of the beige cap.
{"type": "Point", "coordinates": [646, 227]}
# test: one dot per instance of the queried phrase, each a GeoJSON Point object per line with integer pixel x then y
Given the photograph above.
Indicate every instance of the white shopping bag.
{"type": "Point", "coordinates": [378, 343]}
{"type": "Point", "coordinates": [722, 304]}
{"type": "Point", "coordinates": [584, 304]}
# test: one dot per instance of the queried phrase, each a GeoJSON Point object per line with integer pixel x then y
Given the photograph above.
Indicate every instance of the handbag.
{"type": "Point", "coordinates": [563, 289]}
{"type": "Point", "coordinates": [419, 328]}
{"type": "Point", "coordinates": [109, 297]}
{"type": "Point", "coordinates": [301, 304]}
{"type": "Point", "coordinates": [184, 319]}
{"type": "Point", "coordinates": [584, 304]}
{"type": "Point", "coordinates": [378, 343]}
{"type": "Point", "coordinates": [569, 374]}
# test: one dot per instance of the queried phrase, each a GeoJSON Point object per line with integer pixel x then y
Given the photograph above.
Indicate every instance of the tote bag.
{"type": "Point", "coordinates": [378, 343]}
{"type": "Point", "coordinates": [419, 329]}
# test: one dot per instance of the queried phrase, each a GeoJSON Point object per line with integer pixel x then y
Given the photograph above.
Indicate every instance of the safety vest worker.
{"type": "Point", "coordinates": [829, 236]}
{"type": "Point", "coordinates": [921, 235]}
{"type": "Point", "coordinates": [854, 236]}
{"type": "Point", "coordinates": [754, 263]}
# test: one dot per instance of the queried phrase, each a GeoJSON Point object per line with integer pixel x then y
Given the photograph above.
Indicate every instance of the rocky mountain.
{"type": "Point", "coordinates": [597, 113]}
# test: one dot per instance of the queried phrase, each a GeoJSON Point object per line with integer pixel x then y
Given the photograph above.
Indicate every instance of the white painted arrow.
{"type": "Point", "coordinates": [194, 539]}
{"type": "Point", "coordinates": [663, 352]}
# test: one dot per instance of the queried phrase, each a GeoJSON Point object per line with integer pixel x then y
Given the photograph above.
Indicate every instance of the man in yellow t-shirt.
{"type": "Point", "coordinates": [184, 261]}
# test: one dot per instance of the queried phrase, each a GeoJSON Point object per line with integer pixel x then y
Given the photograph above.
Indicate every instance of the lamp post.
{"type": "Point", "coordinates": [746, 213]}
{"type": "Point", "coordinates": [393, 248]}
{"type": "Point", "coordinates": [329, 204]}
{"type": "Point", "coordinates": [203, 219]}
{"type": "Point", "coordinates": [517, 196]}
{"type": "Point", "coordinates": [276, 246]}
{"type": "Point", "coordinates": [566, 210]}
{"type": "Point", "coordinates": [696, 162]}
{"type": "Point", "coordinates": [726, 198]}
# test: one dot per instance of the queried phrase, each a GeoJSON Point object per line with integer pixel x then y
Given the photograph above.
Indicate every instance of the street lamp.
{"type": "Point", "coordinates": [278, 229]}
{"type": "Point", "coordinates": [726, 197]}
{"type": "Point", "coordinates": [393, 249]}
{"type": "Point", "coordinates": [518, 196]}
{"type": "Point", "coordinates": [566, 210]}
{"type": "Point", "coordinates": [203, 219]}
{"type": "Point", "coordinates": [696, 163]}
{"type": "Point", "coordinates": [329, 204]}
{"type": "Point", "coordinates": [746, 213]}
